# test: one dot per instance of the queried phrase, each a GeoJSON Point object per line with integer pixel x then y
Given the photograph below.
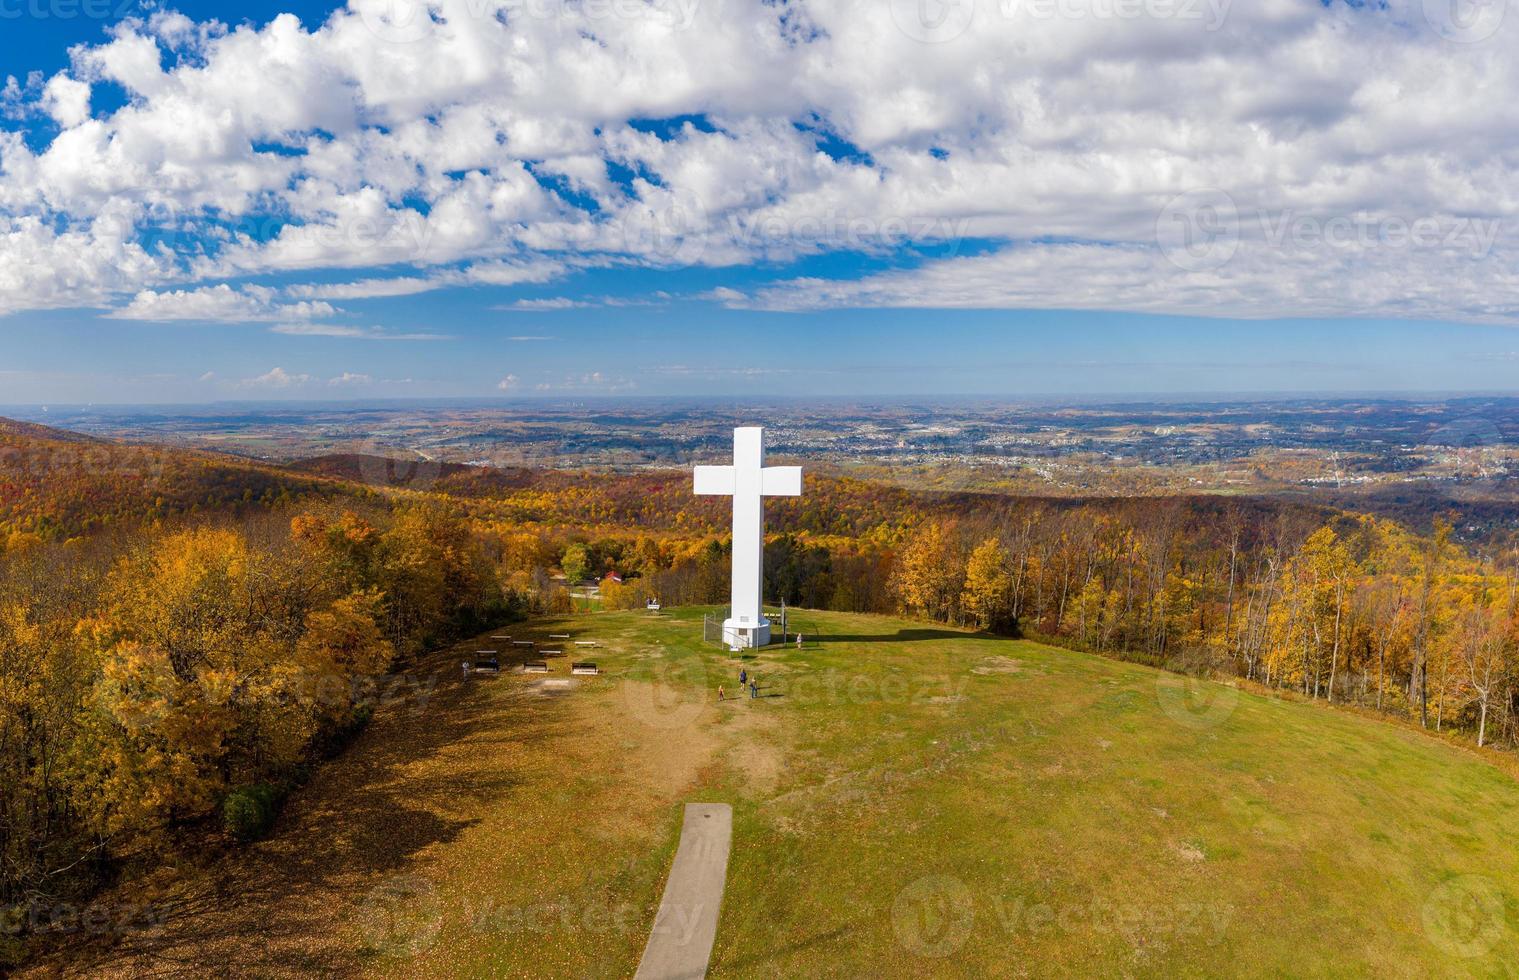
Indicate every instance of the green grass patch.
{"type": "Point", "coordinates": [914, 800]}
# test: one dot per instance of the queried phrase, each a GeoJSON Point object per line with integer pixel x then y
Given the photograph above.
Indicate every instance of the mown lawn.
{"type": "Point", "coordinates": [909, 801]}
{"type": "Point", "coordinates": [912, 800]}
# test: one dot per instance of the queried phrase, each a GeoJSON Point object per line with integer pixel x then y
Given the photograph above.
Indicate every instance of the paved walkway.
{"type": "Point", "coordinates": [681, 941]}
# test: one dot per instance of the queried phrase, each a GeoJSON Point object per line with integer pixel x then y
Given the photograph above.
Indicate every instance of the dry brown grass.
{"type": "Point", "coordinates": [453, 824]}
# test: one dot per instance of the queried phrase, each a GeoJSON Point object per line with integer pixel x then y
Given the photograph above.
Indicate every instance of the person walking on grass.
{"type": "Point", "coordinates": [743, 677]}
{"type": "Point", "coordinates": [719, 692]}
{"type": "Point", "coordinates": [799, 641]}
{"type": "Point", "coordinates": [753, 688]}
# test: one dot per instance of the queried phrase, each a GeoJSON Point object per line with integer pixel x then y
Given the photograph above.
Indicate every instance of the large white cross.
{"type": "Point", "coordinates": [748, 481]}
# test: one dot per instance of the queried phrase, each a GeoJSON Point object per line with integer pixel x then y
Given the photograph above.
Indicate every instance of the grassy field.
{"type": "Point", "coordinates": [908, 801]}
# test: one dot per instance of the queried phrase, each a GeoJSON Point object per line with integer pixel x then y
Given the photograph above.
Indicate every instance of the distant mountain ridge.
{"type": "Point", "coordinates": [32, 430]}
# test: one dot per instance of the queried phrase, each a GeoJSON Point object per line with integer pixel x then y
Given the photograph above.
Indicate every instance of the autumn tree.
{"type": "Point", "coordinates": [576, 562]}
{"type": "Point", "coordinates": [929, 573]}
{"type": "Point", "coordinates": [341, 643]}
{"type": "Point", "coordinates": [988, 592]}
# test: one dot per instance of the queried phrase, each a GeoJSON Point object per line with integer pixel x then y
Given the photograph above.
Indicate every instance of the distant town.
{"type": "Point", "coordinates": [1409, 458]}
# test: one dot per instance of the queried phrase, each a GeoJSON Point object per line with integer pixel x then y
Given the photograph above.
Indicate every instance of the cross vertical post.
{"type": "Point", "coordinates": [748, 481]}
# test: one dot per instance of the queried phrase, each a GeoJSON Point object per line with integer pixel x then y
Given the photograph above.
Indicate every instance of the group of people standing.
{"type": "Point", "coordinates": [745, 679]}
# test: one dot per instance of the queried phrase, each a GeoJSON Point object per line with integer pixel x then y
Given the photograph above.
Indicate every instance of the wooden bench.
{"type": "Point", "coordinates": [522, 643]}
{"type": "Point", "coordinates": [585, 643]}
{"type": "Point", "coordinates": [584, 668]}
{"type": "Point", "coordinates": [506, 638]}
{"type": "Point", "coordinates": [491, 666]}
{"type": "Point", "coordinates": [535, 667]}
{"type": "Point", "coordinates": [559, 636]}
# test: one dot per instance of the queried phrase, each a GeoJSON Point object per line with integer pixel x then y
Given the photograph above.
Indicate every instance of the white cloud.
{"type": "Point", "coordinates": [276, 378]}
{"type": "Point", "coordinates": [544, 305]}
{"type": "Point", "coordinates": [1258, 280]}
{"type": "Point", "coordinates": [366, 289]}
{"type": "Point", "coordinates": [487, 273]}
{"type": "Point", "coordinates": [556, 303]}
{"type": "Point", "coordinates": [350, 333]}
{"type": "Point", "coordinates": [469, 149]}
{"type": "Point", "coordinates": [509, 383]}
{"type": "Point", "coordinates": [350, 378]}
{"type": "Point", "coordinates": [690, 371]}
{"type": "Point", "coordinates": [67, 100]}
{"type": "Point", "coordinates": [724, 294]}
{"type": "Point", "coordinates": [223, 303]}
{"type": "Point", "coordinates": [589, 382]}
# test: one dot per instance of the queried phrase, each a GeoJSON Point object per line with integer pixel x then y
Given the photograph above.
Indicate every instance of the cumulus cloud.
{"type": "Point", "coordinates": [67, 100]}
{"type": "Point", "coordinates": [222, 302]}
{"type": "Point", "coordinates": [276, 378]}
{"type": "Point", "coordinates": [453, 147]}
{"type": "Point", "coordinates": [350, 378]}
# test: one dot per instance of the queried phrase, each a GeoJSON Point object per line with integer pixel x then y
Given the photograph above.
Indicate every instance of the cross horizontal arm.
{"type": "Point", "coordinates": [715, 481]}
{"type": "Point", "coordinates": [781, 481]}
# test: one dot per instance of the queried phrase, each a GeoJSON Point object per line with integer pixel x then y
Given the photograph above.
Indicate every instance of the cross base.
{"type": "Point", "coordinates": [746, 634]}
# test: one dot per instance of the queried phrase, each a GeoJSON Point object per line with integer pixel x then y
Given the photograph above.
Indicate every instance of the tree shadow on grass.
{"type": "Point", "coordinates": [755, 959]}
{"type": "Point", "coordinates": [912, 635]}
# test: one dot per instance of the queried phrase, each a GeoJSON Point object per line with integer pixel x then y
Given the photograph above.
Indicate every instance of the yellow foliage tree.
{"type": "Point", "coordinates": [929, 573]}
{"type": "Point", "coordinates": [988, 593]}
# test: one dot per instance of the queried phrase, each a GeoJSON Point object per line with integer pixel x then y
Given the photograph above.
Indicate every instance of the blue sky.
{"type": "Point", "coordinates": [703, 235]}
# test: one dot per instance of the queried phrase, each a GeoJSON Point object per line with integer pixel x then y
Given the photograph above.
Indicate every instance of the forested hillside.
{"type": "Point", "coordinates": [56, 485]}
{"type": "Point", "coordinates": [170, 679]}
